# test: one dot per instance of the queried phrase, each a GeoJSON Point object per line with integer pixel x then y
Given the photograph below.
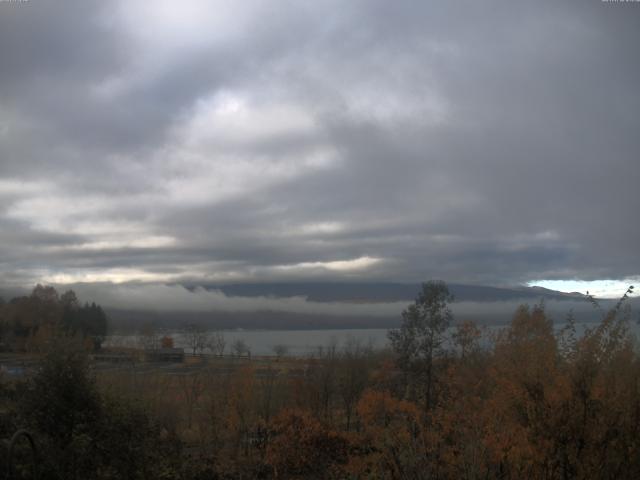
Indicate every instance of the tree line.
{"type": "Point", "coordinates": [447, 400]}
{"type": "Point", "coordinates": [28, 323]}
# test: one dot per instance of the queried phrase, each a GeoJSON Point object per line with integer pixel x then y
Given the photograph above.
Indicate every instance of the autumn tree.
{"type": "Point", "coordinates": [466, 337]}
{"type": "Point", "coordinates": [304, 448]}
{"type": "Point", "coordinates": [390, 445]}
{"type": "Point", "coordinates": [353, 375]}
{"type": "Point", "coordinates": [241, 408]}
{"type": "Point", "coordinates": [527, 391]}
{"type": "Point", "coordinates": [321, 380]}
{"type": "Point", "coordinates": [30, 322]}
{"type": "Point", "coordinates": [217, 403]}
{"type": "Point", "coordinates": [33, 319]}
{"type": "Point", "coordinates": [603, 373]}
{"type": "Point", "coordinates": [192, 386]}
{"type": "Point", "coordinates": [268, 381]}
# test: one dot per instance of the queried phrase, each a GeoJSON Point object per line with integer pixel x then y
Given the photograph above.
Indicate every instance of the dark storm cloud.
{"type": "Point", "coordinates": [169, 141]}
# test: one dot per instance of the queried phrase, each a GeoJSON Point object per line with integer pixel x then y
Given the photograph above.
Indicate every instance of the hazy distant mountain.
{"type": "Point", "coordinates": [482, 304]}
{"type": "Point", "coordinates": [384, 292]}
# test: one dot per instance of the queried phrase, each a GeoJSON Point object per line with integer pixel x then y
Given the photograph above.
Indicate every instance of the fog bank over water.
{"type": "Point", "coordinates": [174, 305]}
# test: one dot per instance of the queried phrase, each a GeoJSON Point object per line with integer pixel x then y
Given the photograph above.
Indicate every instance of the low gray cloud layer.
{"type": "Point", "coordinates": [480, 142]}
{"type": "Point", "coordinates": [175, 298]}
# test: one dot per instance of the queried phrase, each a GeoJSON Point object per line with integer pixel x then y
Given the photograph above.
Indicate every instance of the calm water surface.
{"type": "Point", "coordinates": [299, 342]}
{"type": "Point", "coordinates": [262, 342]}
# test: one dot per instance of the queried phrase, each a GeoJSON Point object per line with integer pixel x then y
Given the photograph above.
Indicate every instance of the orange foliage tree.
{"type": "Point", "coordinates": [302, 447]}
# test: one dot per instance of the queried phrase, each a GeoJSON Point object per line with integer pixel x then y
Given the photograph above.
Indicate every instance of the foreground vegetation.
{"type": "Point", "coordinates": [527, 402]}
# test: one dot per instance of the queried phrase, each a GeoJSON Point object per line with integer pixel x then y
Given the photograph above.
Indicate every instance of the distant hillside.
{"type": "Point", "coordinates": [482, 304]}
{"type": "Point", "coordinates": [384, 292]}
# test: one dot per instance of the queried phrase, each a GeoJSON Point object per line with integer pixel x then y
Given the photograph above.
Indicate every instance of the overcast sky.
{"type": "Point", "coordinates": [214, 142]}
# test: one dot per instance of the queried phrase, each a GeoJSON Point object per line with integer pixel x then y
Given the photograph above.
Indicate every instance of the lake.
{"type": "Point", "coordinates": [300, 342]}
{"type": "Point", "coordinates": [262, 342]}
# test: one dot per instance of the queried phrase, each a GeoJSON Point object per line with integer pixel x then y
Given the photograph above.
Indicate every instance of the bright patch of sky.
{"type": "Point", "coordinates": [597, 288]}
{"type": "Point", "coordinates": [361, 263]}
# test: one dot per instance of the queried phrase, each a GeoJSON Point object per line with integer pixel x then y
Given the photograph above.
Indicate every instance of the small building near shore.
{"type": "Point", "coordinates": [165, 355]}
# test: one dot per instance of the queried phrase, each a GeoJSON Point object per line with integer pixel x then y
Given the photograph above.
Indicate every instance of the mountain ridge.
{"type": "Point", "coordinates": [378, 292]}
